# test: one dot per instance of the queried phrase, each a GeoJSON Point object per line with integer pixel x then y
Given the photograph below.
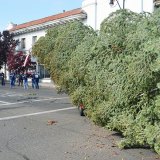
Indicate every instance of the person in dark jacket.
{"type": "Point", "coordinates": [2, 79]}
{"type": "Point", "coordinates": [12, 79]}
{"type": "Point", "coordinates": [25, 81]}
{"type": "Point", "coordinates": [37, 80]}
{"type": "Point", "coordinates": [33, 80]}
{"type": "Point", "coordinates": [20, 79]}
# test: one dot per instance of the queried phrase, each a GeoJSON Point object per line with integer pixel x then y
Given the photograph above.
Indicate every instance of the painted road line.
{"type": "Point", "coordinates": [4, 102]}
{"type": "Point", "coordinates": [34, 114]}
{"type": "Point", "coordinates": [37, 100]}
{"type": "Point", "coordinates": [10, 95]}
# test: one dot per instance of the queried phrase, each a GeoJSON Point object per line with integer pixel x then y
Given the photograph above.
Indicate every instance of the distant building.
{"type": "Point", "coordinates": [92, 13]}
{"type": "Point", "coordinates": [28, 33]}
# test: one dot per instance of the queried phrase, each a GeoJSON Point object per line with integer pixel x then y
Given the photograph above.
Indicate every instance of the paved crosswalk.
{"type": "Point", "coordinates": [10, 94]}
{"type": "Point", "coordinates": [3, 102]}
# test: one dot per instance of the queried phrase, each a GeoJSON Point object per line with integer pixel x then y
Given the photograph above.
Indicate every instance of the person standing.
{"type": "Point", "coordinates": [37, 80]}
{"type": "Point", "coordinates": [20, 80]}
{"type": "Point", "coordinates": [12, 78]}
{"type": "Point", "coordinates": [0, 76]}
{"type": "Point", "coordinates": [25, 81]}
{"type": "Point", "coordinates": [2, 79]}
{"type": "Point", "coordinates": [33, 81]}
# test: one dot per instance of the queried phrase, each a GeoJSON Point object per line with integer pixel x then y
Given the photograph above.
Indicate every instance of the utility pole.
{"type": "Point", "coordinates": [141, 6]}
{"type": "Point", "coordinates": [123, 5]}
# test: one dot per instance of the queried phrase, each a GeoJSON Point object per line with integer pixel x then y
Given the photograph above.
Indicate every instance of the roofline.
{"type": "Point", "coordinates": [47, 20]}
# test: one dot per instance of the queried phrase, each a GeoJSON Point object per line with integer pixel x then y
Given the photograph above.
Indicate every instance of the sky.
{"type": "Point", "coordinates": [21, 11]}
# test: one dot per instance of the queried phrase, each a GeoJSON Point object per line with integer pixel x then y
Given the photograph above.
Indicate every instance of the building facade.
{"type": "Point", "coordinates": [98, 10]}
{"type": "Point", "coordinates": [91, 13]}
{"type": "Point", "coordinates": [28, 33]}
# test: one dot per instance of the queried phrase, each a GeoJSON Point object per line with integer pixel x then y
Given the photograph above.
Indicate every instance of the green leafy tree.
{"type": "Point", "coordinates": [56, 48]}
{"type": "Point", "coordinates": [115, 74]}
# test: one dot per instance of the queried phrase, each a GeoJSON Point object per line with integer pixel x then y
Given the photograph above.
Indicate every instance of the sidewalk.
{"type": "Point", "coordinates": [72, 138]}
{"type": "Point", "coordinates": [42, 83]}
{"type": "Point", "coordinates": [47, 84]}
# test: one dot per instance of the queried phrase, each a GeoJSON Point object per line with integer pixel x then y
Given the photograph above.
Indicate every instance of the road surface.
{"type": "Point", "coordinates": [43, 125]}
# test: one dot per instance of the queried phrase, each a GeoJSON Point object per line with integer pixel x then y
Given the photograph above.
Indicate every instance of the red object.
{"type": "Point", "coordinates": [81, 106]}
{"type": "Point", "coordinates": [26, 60]}
{"type": "Point", "coordinates": [15, 61]}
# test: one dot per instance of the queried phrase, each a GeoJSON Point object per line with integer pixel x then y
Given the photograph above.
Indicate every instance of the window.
{"type": "Point", "coordinates": [34, 39]}
{"type": "Point", "coordinates": [18, 47]}
{"type": "Point", "coordinates": [23, 43]}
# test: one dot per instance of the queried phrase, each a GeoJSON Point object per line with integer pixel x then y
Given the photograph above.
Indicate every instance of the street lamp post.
{"type": "Point", "coordinates": [112, 3]}
{"type": "Point", "coordinates": [142, 6]}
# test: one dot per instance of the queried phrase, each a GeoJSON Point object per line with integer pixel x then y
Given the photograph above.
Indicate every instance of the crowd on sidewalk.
{"type": "Point", "coordinates": [21, 79]}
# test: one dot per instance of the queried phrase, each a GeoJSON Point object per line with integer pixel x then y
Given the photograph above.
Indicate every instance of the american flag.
{"type": "Point", "coordinates": [25, 62]}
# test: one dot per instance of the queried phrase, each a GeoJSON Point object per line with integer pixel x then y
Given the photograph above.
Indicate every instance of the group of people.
{"type": "Point", "coordinates": [22, 79]}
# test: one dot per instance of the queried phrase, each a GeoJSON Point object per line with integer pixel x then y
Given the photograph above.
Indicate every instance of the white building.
{"type": "Point", "coordinates": [91, 13]}
{"type": "Point", "coordinates": [98, 10]}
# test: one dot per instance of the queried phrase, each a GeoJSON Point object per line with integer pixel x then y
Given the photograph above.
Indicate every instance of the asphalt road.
{"type": "Point", "coordinates": [43, 125]}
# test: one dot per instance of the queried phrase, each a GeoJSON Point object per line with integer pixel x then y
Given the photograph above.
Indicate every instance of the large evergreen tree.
{"type": "Point", "coordinates": [115, 74]}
